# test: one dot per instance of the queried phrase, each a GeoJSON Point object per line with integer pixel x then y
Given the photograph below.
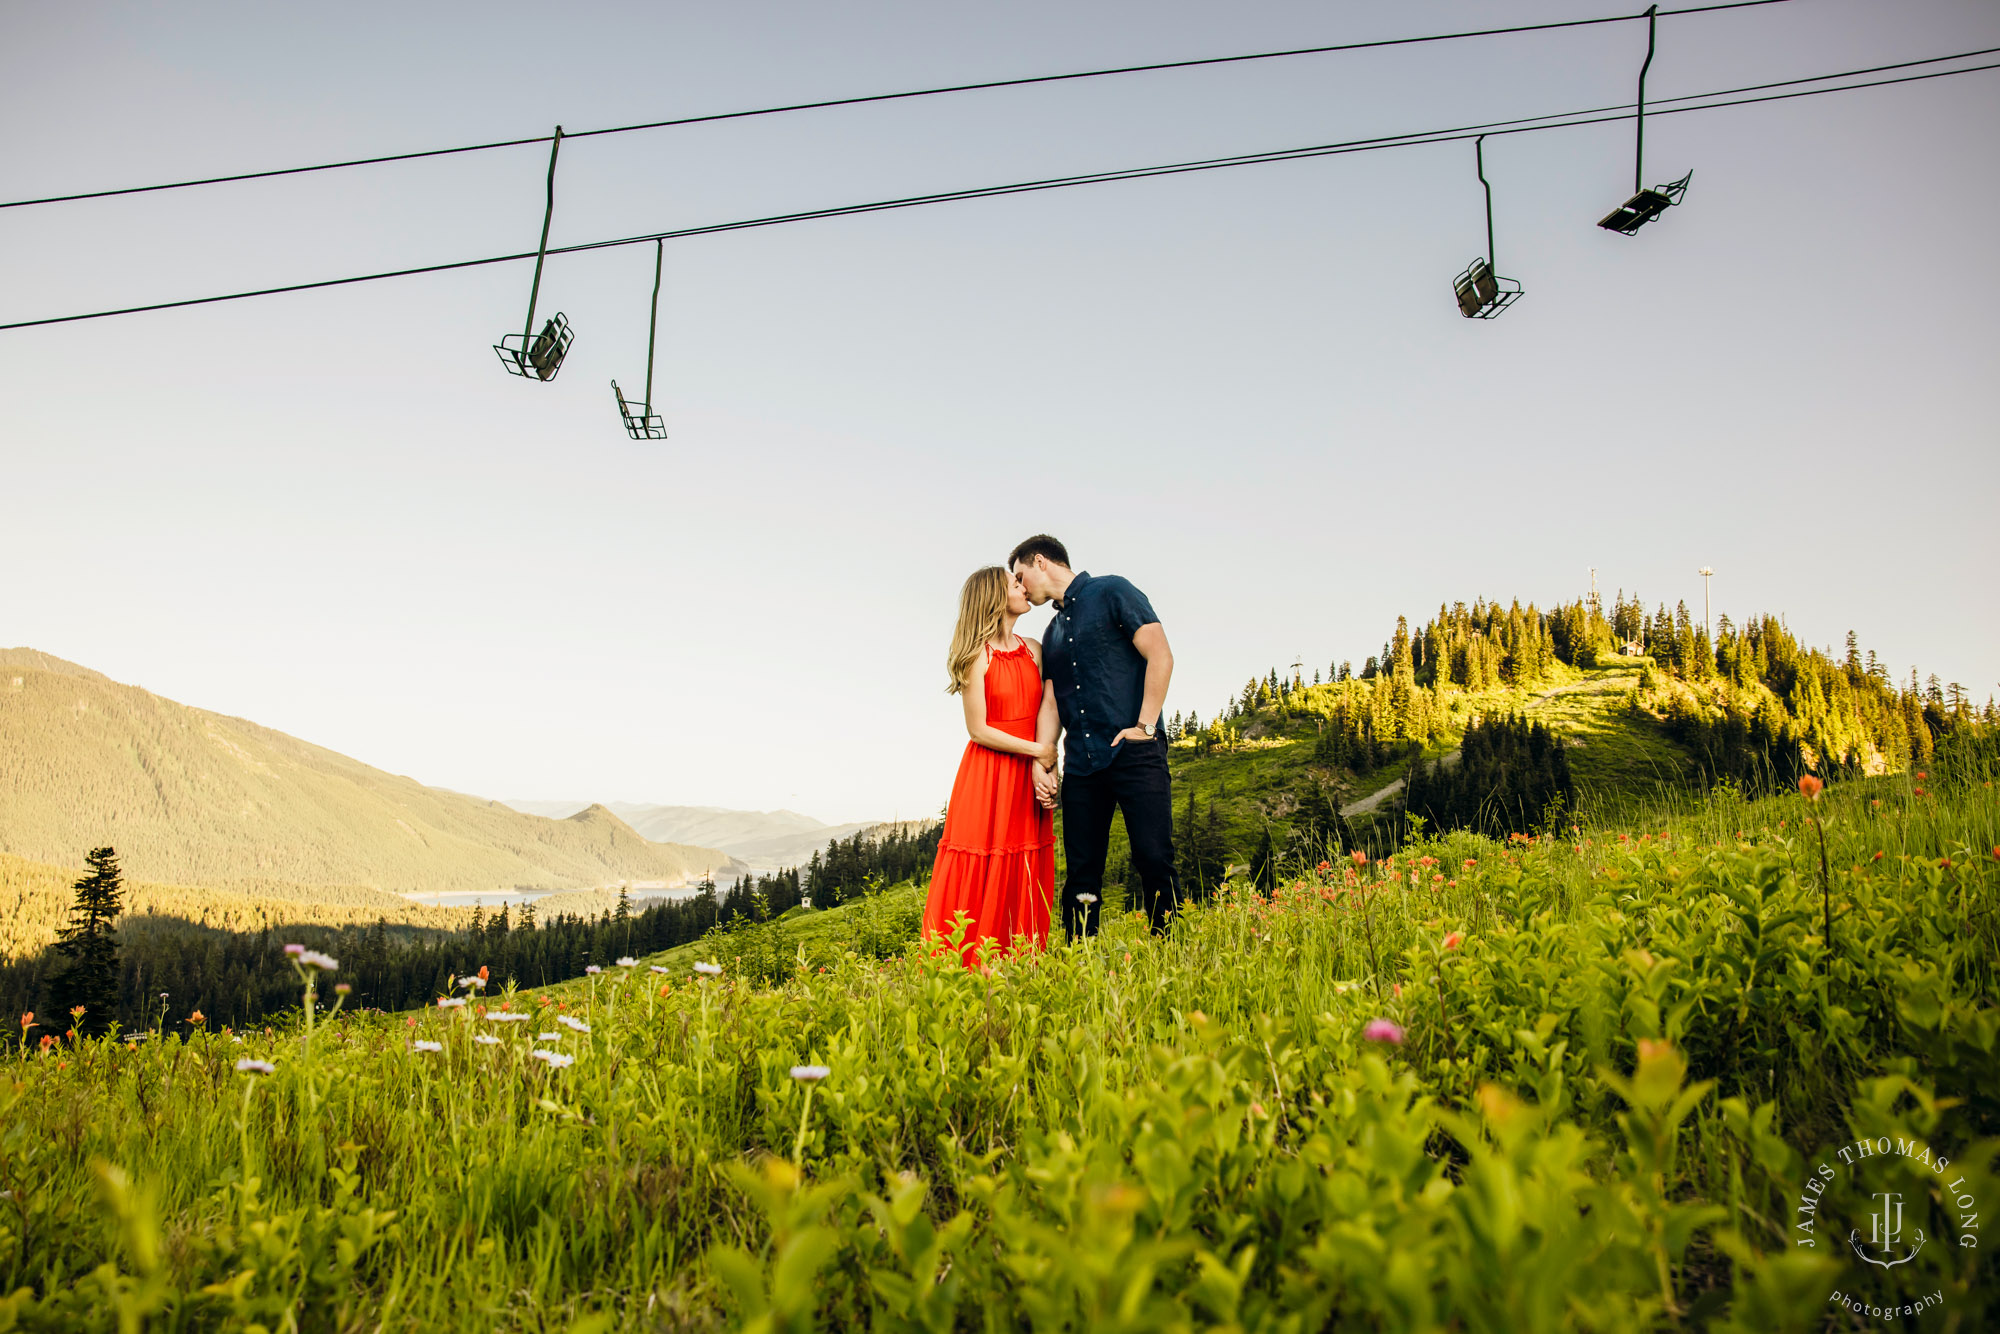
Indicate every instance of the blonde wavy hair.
{"type": "Point", "coordinates": [981, 604]}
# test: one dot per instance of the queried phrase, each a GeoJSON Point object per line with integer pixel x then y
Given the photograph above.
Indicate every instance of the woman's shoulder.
{"type": "Point", "coordinates": [1034, 646]}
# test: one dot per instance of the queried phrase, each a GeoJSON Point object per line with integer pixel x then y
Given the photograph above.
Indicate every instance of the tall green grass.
{"type": "Point", "coordinates": [1618, 1048]}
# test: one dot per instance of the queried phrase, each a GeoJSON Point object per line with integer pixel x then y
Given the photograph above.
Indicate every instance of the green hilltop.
{"type": "Point", "coordinates": [1304, 760]}
{"type": "Point", "coordinates": [190, 797]}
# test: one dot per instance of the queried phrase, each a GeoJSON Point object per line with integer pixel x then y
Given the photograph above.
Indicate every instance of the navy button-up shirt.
{"type": "Point", "coordinates": [1100, 679]}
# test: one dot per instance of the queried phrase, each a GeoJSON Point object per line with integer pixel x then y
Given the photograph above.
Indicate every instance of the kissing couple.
{"type": "Point", "coordinates": [1097, 684]}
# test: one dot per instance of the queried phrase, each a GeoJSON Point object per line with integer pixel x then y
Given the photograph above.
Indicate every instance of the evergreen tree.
{"type": "Point", "coordinates": [90, 943]}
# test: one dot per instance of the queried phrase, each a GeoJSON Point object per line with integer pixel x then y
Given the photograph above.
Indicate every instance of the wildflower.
{"type": "Point", "coordinates": [709, 969]}
{"type": "Point", "coordinates": [47, 1042]}
{"type": "Point", "coordinates": [473, 981]}
{"type": "Point", "coordinates": [1358, 857]}
{"type": "Point", "coordinates": [76, 1011]}
{"type": "Point", "coordinates": [1922, 793]}
{"type": "Point", "coordinates": [1326, 866]}
{"type": "Point", "coordinates": [572, 1022]}
{"type": "Point", "coordinates": [548, 1037]}
{"type": "Point", "coordinates": [28, 1019]}
{"type": "Point", "coordinates": [665, 987]}
{"type": "Point", "coordinates": [1946, 863]}
{"type": "Point", "coordinates": [1384, 1030]}
{"type": "Point", "coordinates": [1878, 855]}
{"type": "Point", "coordinates": [1809, 787]}
{"type": "Point", "coordinates": [1921, 775]}
{"type": "Point", "coordinates": [295, 950]}
{"type": "Point", "coordinates": [410, 1023]}
{"type": "Point", "coordinates": [810, 1073]}
{"type": "Point", "coordinates": [314, 959]}
{"type": "Point", "coordinates": [451, 1002]}
{"type": "Point", "coordinates": [1471, 862]}
{"type": "Point", "coordinates": [421, 1045]}
{"type": "Point", "coordinates": [250, 1065]}
{"type": "Point", "coordinates": [1396, 989]}
{"type": "Point", "coordinates": [657, 968]}
{"type": "Point", "coordinates": [1875, 802]}
{"type": "Point", "coordinates": [1086, 899]}
{"type": "Point", "coordinates": [1452, 939]}
{"type": "Point", "coordinates": [592, 969]}
{"type": "Point", "coordinates": [197, 1018]}
{"type": "Point", "coordinates": [506, 1017]}
{"type": "Point", "coordinates": [486, 1039]}
{"type": "Point", "coordinates": [342, 988]}
{"type": "Point", "coordinates": [627, 961]}
{"type": "Point", "coordinates": [483, 973]}
{"type": "Point", "coordinates": [555, 1059]}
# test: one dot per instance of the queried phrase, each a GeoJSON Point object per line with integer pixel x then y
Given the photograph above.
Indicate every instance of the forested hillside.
{"type": "Point", "coordinates": [1626, 704]}
{"type": "Point", "coordinates": [196, 798]}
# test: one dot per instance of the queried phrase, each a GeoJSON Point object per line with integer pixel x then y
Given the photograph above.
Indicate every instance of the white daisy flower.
{"type": "Point", "coordinates": [592, 969]}
{"type": "Point", "coordinates": [507, 1017]}
{"type": "Point", "coordinates": [486, 1039]}
{"type": "Point", "coordinates": [571, 1021]}
{"type": "Point", "coordinates": [626, 961]}
{"type": "Point", "coordinates": [474, 981]}
{"type": "Point", "coordinates": [810, 1073]}
{"type": "Point", "coordinates": [658, 968]}
{"type": "Point", "coordinates": [250, 1065]}
{"type": "Point", "coordinates": [1086, 898]}
{"type": "Point", "coordinates": [555, 1059]}
{"type": "Point", "coordinates": [451, 1002]}
{"type": "Point", "coordinates": [314, 959]}
{"type": "Point", "coordinates": [709, 969]}
{"type": "Point", "coordinates": [548, 1037]}
{"type": "Point", "coordinates": [421, 1045]}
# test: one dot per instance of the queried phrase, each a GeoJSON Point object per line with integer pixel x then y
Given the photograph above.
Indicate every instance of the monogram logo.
{"type": "Point", "coordinates": [1885, 1230]}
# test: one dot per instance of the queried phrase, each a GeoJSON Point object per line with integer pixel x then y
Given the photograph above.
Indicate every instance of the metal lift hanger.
{"type": "Point", "coordinates": [644, 423]}
{"type": "Point", "coordinates": [529, 354]}
{"type": "Point", "coordinates": [1644, 205]}
{"type": "Point", "coordinates": [1481, 292]}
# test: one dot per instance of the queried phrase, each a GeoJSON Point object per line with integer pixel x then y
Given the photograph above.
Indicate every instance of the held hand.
{"type": "Point", "coordinates": [1129, 734]}
{"type": "Point", "coordinates": [1047, 784]}
{"type": "Point", "coordinates": [1046, 756]}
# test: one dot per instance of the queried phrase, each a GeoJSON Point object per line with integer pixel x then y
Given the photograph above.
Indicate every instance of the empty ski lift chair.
{"type": "Point", "coordinates": [1481, 292]}
{"type": "Point", "coordinates": [532, 355]}
{"type": "Point", "coordinates": [643, 423]}
{"type": "Point", "coordinates": [1645, 204]}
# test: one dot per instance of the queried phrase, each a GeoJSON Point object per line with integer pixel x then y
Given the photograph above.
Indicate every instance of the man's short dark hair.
{"type": "Point", "coordinates": [1041, 544]}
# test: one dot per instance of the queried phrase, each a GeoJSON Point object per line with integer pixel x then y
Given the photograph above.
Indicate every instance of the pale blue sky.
{"type": "Point", "coordinates": [1249, 391]}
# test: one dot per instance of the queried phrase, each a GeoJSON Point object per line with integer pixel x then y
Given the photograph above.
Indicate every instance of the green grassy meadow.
{"type": "Point", "coordinates": [1578, 1081]}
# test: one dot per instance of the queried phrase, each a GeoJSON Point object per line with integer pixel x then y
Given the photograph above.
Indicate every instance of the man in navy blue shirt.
{"type": "Point", "coordinates": [1106, 663]}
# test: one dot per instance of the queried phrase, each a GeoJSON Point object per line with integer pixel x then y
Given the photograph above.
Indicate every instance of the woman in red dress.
{"type": "Point", "coordinates": [996, 865]}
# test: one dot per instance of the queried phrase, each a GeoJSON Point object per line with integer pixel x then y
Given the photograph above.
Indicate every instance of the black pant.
{"type": "Point", "coordinates": [1137, 783]}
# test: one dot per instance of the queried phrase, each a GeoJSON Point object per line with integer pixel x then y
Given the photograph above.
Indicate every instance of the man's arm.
{"type": "Point", "coordinates": [1048, 726]}
{"type": "Point", "coordinates": [1151, 641]}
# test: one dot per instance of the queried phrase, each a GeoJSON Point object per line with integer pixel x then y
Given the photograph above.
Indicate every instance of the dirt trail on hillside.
{"type": "Point", "coordinates": [1377, 797]}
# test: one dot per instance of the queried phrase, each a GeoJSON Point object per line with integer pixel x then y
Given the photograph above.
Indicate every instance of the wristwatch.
{"type": "Point", "coordinates": [1147, 728]}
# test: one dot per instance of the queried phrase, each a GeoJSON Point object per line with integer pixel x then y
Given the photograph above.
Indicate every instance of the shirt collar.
{"type": "Point", "coordinates": [1076, 583]}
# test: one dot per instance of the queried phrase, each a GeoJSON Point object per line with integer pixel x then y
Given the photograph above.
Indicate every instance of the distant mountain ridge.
{"type": "Point", "coordinates": [762, 840]}
{"type": "Point", "coordinates": [190, 797]}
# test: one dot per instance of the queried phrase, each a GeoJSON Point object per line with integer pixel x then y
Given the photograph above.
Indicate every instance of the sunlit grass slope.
{"type": "Point", "coordinates": [1602, 1064]}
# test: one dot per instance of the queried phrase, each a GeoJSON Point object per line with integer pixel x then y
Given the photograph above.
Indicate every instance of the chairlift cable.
{"type": "Point", "coordinates": [875, 97]}
{"type": "Point", "coordinates": [1554, 121]}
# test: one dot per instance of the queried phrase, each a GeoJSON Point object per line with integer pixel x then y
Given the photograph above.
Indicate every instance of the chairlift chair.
{"type": "Point", "coordinates": [531, 355]}
{"type": "Point", "coordinates": [641, 422]}
{"type": "Point", "coordinates": [1644, 205]}
{"type": "Point", "coordinates": [1481, 292]}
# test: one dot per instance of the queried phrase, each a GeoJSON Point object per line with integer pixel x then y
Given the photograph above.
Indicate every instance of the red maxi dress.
{"type": "Point", "coordinates": [997, 861]}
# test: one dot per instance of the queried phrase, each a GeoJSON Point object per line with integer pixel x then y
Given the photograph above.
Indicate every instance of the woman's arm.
{"type": "Point", "coordinates": [975, 717]}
